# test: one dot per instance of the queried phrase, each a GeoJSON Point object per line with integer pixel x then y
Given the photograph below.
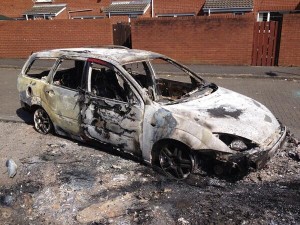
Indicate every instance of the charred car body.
{"type": "Point", "coordinates": [148, 105]}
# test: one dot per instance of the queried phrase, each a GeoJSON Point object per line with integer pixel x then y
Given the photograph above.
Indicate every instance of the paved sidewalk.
{"type": "Point", "coordinates": [248, 71]}
{"type": "Point", "coordinates": [211, 70]}
{"type": "Point", "coordinates": [12, 63]}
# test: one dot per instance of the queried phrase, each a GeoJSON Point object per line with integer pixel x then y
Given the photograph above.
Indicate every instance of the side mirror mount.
{"type": "Point", "coordinates": [150, 92]}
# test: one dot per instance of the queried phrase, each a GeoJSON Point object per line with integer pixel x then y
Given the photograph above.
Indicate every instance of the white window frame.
{"type": "Point", "coordinates": [260, 19]}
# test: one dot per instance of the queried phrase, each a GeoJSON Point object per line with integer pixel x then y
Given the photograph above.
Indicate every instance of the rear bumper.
{"type": "Point", "coordinates": [257, 158]}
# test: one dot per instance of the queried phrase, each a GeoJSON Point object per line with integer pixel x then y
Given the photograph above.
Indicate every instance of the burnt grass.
{"type": "Point", "coordinates": [67, 178]}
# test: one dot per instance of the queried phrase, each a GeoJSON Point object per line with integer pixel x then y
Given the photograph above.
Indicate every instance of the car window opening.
{"type": "Point", "coordinates": [40, 68]}
{"type": "Point", "coordinates": [172, 81]}
{"type": "Point", "coordinates": [69, 74]}
{"type": "Point", "coordinates": [141, 73]}
{"type": "Point", "coordinates": [107, 82]}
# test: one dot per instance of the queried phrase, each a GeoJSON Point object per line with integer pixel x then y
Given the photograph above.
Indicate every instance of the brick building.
{"type": "Point", "coordinates": [163, 8]}
{"type": "Point", "coordinates": [123, 10]}
{"type": "Point", "coordinates": [17, 8]}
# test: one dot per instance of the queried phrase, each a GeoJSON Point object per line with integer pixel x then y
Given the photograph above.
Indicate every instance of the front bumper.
{"type": "Point", "coordinates": [257, 158]}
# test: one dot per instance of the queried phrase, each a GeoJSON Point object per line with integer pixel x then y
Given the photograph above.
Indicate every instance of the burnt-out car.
{"type": "Point", "coordinates": [148, 105]}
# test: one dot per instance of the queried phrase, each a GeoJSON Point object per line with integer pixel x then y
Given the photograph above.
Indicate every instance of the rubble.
{"type": "Point", "coordinates": [78, 184]}
{"type": "Point", "coordinates": [294, 155]}
{"type": "Point", "coordinates": [11, 168]}
{"type": "Point", "coordinates": [106, 210]}
{"type": "Point", "coordinates": [183, 221]}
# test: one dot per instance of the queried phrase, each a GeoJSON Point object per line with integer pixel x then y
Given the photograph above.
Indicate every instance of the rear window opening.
{"type": "Point", "coordinates": [69, 74]}
{"type": "Point", "coordinates": [40, 68]}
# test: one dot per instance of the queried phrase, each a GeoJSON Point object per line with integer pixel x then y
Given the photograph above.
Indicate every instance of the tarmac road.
{"type": "Point", "coordinates": [281, 96]}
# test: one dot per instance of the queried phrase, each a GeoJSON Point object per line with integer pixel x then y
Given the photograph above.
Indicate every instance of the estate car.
{"type": "Point", "coordinates": [148, 105]}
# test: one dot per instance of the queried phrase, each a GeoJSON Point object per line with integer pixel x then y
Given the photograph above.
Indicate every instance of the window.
{"type": "Point", "coordinates": [69, 73]}
{"type": "Point", "coordinates": [263, 17]}
{"type": "Point", "coordinates": [176, 15]}
{"type": "Point", "coordinates": [140, 72]}
{"type": "Point", "coordinates": [269, 16]}
{"type": "Point", "coordinates": [239, 13]}
{"type": "Point", "coordinates": [43, 1]}
{"type": "Point", "coordinates": [106, 82]}
{"type": "Point", "coordinates": [173, 81]}
{"type": "Point", "coordinates": [40, 68]}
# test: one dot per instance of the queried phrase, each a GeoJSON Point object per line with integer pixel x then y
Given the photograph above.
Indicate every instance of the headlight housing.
{"type": "Point", "coordinates": [236, 143]}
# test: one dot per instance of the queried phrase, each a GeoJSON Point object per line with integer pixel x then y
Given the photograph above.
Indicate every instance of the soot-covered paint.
{"type": "Point", "coordinates": [137, 124]}
{"type": "Point", "coordinates": [223, 112]}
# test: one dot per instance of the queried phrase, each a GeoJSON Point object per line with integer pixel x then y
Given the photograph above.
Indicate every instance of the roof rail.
{"type": "Point", "coordinates": [107, 46]}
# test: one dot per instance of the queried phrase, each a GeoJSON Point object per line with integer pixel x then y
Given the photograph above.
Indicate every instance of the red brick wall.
{"type": "Point", "coordinates": [178, 6]}
{"type": "Point", "coordinates": [63, 15]}
{"type": "Point", "coordinates": [230, 14]}
{"type": "Point", "coordinates": [289, 54]}
{"type": "Point", "coordinates": [94, 5]}
{"type": "Point", "coordinates": [14, 8]}
{"type": "Point", "coordinates": [19, 38]}
{"type": "Point", "coordinates": [204, 40]}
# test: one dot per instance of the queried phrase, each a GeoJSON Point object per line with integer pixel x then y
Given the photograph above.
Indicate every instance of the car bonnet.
{"type": "Point", "coordinates": [226, 111]}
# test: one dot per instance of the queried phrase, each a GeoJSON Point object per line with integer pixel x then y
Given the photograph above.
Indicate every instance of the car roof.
{"type": "Point", "coordinates": [120, 55]}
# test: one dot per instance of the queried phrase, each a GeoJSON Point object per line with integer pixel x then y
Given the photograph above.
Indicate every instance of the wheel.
{"type": "Point", "coordinates": [176, 160]}
{"type": "Point", "coordinates": [42, 121]}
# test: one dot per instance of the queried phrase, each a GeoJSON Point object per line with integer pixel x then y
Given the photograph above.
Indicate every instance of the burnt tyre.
{"type": "Point", "coordinates": [42, 121]}
{"type": "Point", "coordinates": [176, 160]}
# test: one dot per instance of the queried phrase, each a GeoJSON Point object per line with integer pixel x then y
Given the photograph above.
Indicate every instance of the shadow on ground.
{"type": "Point", "coordinates": [25, 116]}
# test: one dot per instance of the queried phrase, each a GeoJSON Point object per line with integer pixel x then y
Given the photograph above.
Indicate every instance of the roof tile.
{"type": "Point", "coordinates": [127, 7]}
{"type": "Point", "coordinates": [44, 9]}
{"type": "Point", "coordinates": [228, 4]}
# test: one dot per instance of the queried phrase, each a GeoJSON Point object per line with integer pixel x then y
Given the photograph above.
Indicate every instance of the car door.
{"type": "Point", "coordinates": [62, 96]}
{"type": "Point", "coordinates": [112, 111]}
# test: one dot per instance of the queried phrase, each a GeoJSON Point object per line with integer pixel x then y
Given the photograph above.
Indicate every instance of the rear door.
{"type": "Point", "coordinates": [62, 95]}
{"type": "Point", "coordinates": [112, 111]}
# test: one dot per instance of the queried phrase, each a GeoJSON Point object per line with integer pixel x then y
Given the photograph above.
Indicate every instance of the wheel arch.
{"type": "Point", "coordinates": [161, 142]}
{"type": "Point", "coordinates": [203, 143]}
{"type": "Point", "coordinates": [34, 107]}
{"type": "Point", "coordinates": [180, 137]}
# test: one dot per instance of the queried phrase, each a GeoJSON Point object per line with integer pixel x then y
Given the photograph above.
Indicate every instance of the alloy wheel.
{"type": "Point", "coordinates": [42, 122]}
{"type": "Point", "coordinates": [176, 162]}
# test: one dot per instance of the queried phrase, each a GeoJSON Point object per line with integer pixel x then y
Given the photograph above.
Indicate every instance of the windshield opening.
{"type": "Point", "coordinates": [164, 79]}
{"type": "Point", "coordinates": [173, 81]}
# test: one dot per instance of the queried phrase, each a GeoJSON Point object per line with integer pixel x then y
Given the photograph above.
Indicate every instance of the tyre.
{"type": "Point", "coordinates": [176, 160]}
{"type": "Point", "coordinates": [42, 121]}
